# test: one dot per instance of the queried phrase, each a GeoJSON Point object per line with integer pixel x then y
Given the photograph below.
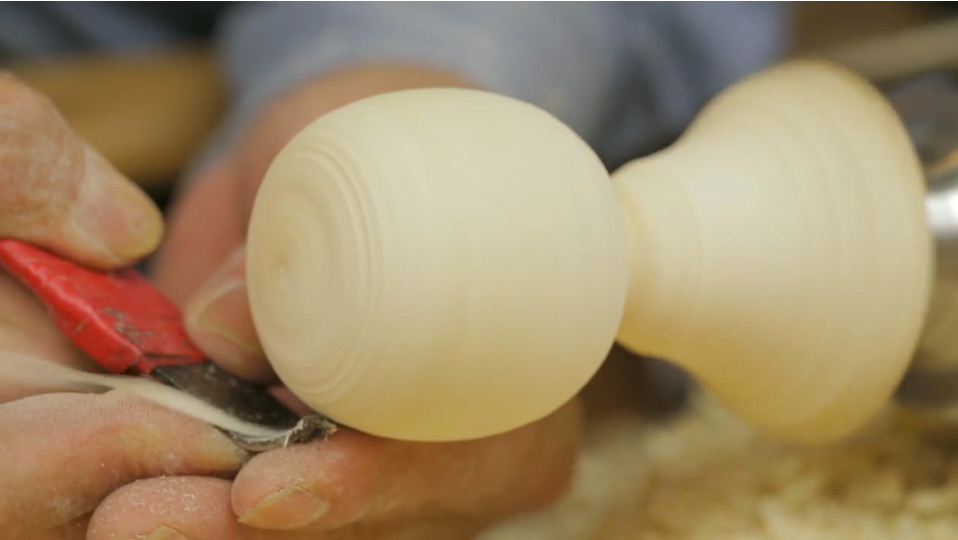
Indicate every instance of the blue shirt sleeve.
{"type": "Point", "coordinates": [623, 75]}
{"type": "Point", "coordinates": [627, 76]}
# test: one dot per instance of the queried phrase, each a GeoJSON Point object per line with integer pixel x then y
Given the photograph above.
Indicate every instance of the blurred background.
{"type": "Point", "coordinates": [149, 113]}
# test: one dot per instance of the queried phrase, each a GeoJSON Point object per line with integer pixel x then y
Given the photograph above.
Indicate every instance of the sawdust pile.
{"type": "Point", "coordinates": [707, 476]}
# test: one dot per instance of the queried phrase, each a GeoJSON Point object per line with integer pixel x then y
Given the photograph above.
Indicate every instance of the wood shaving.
{"type": "Point", "coordinates": [705, 475]}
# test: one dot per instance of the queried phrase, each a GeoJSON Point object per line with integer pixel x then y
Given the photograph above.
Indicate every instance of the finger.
{"type": "Point", "coordinates": [74, 530]}
{"type": "Point", "coordinates": [175, 507]}
{"type": "Point", "coordinates": [203, 228]}
{"type": "Point", "coordinates": [62, 453]}
{"type": "Point", "coordinates": [26, 328]}
{"type": "Point", "coordinates": [57, 192]}
{"type": "Point", "coordinates": [352, 478]}
{"type": "Point", "coordinates": [199, 508]}
{"type": "Point", "coordinates": [218, 320]}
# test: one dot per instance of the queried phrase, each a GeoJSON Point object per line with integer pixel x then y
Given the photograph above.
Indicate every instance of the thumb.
{"type": "Point", "coordinates": [57, 192]}
{"type": "Point", "coordinates": [218, 320]}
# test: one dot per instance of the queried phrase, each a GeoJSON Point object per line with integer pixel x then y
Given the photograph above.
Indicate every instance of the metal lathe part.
{"type": "Point", "coordinates": [247, 402]}
{"type": "Point", "coordinates": [932, 379]}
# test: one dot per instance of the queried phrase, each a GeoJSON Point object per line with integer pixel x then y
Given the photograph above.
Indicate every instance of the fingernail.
{"type": "Point", "coordinates": [114, 213]}
{"type": "Point", "coordinates": [221, 325]}
{"type": "Point", "coordinates": [291, 508]}
{"type": "Point", "coordinates": [163, 533]}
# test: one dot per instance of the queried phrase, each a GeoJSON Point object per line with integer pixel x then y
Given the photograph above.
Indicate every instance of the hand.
{"type": "Point", "coordinates": [351, 485]}
{"type": "Point", "coordinates": [61, 454]}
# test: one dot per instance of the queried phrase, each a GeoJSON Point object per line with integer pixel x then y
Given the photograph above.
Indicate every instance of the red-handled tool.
{"type": "Point", "coordinates": [127, 326]}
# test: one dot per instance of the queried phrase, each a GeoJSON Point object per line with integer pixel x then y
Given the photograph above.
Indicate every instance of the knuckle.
{"type": "Point", "coordinates": [41, 160]}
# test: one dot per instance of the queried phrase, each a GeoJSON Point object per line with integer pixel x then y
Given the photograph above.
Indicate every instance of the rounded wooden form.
{"type": "Point", "coordinates": [447, 264]}
{"type": "Point", "coordinates": [436, 264]}
{"type": "Point", "coordinates": [779, 251]}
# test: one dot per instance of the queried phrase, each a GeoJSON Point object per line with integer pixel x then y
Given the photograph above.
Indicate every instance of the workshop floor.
{"type": "Point", "coordinates": [706, 476]}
